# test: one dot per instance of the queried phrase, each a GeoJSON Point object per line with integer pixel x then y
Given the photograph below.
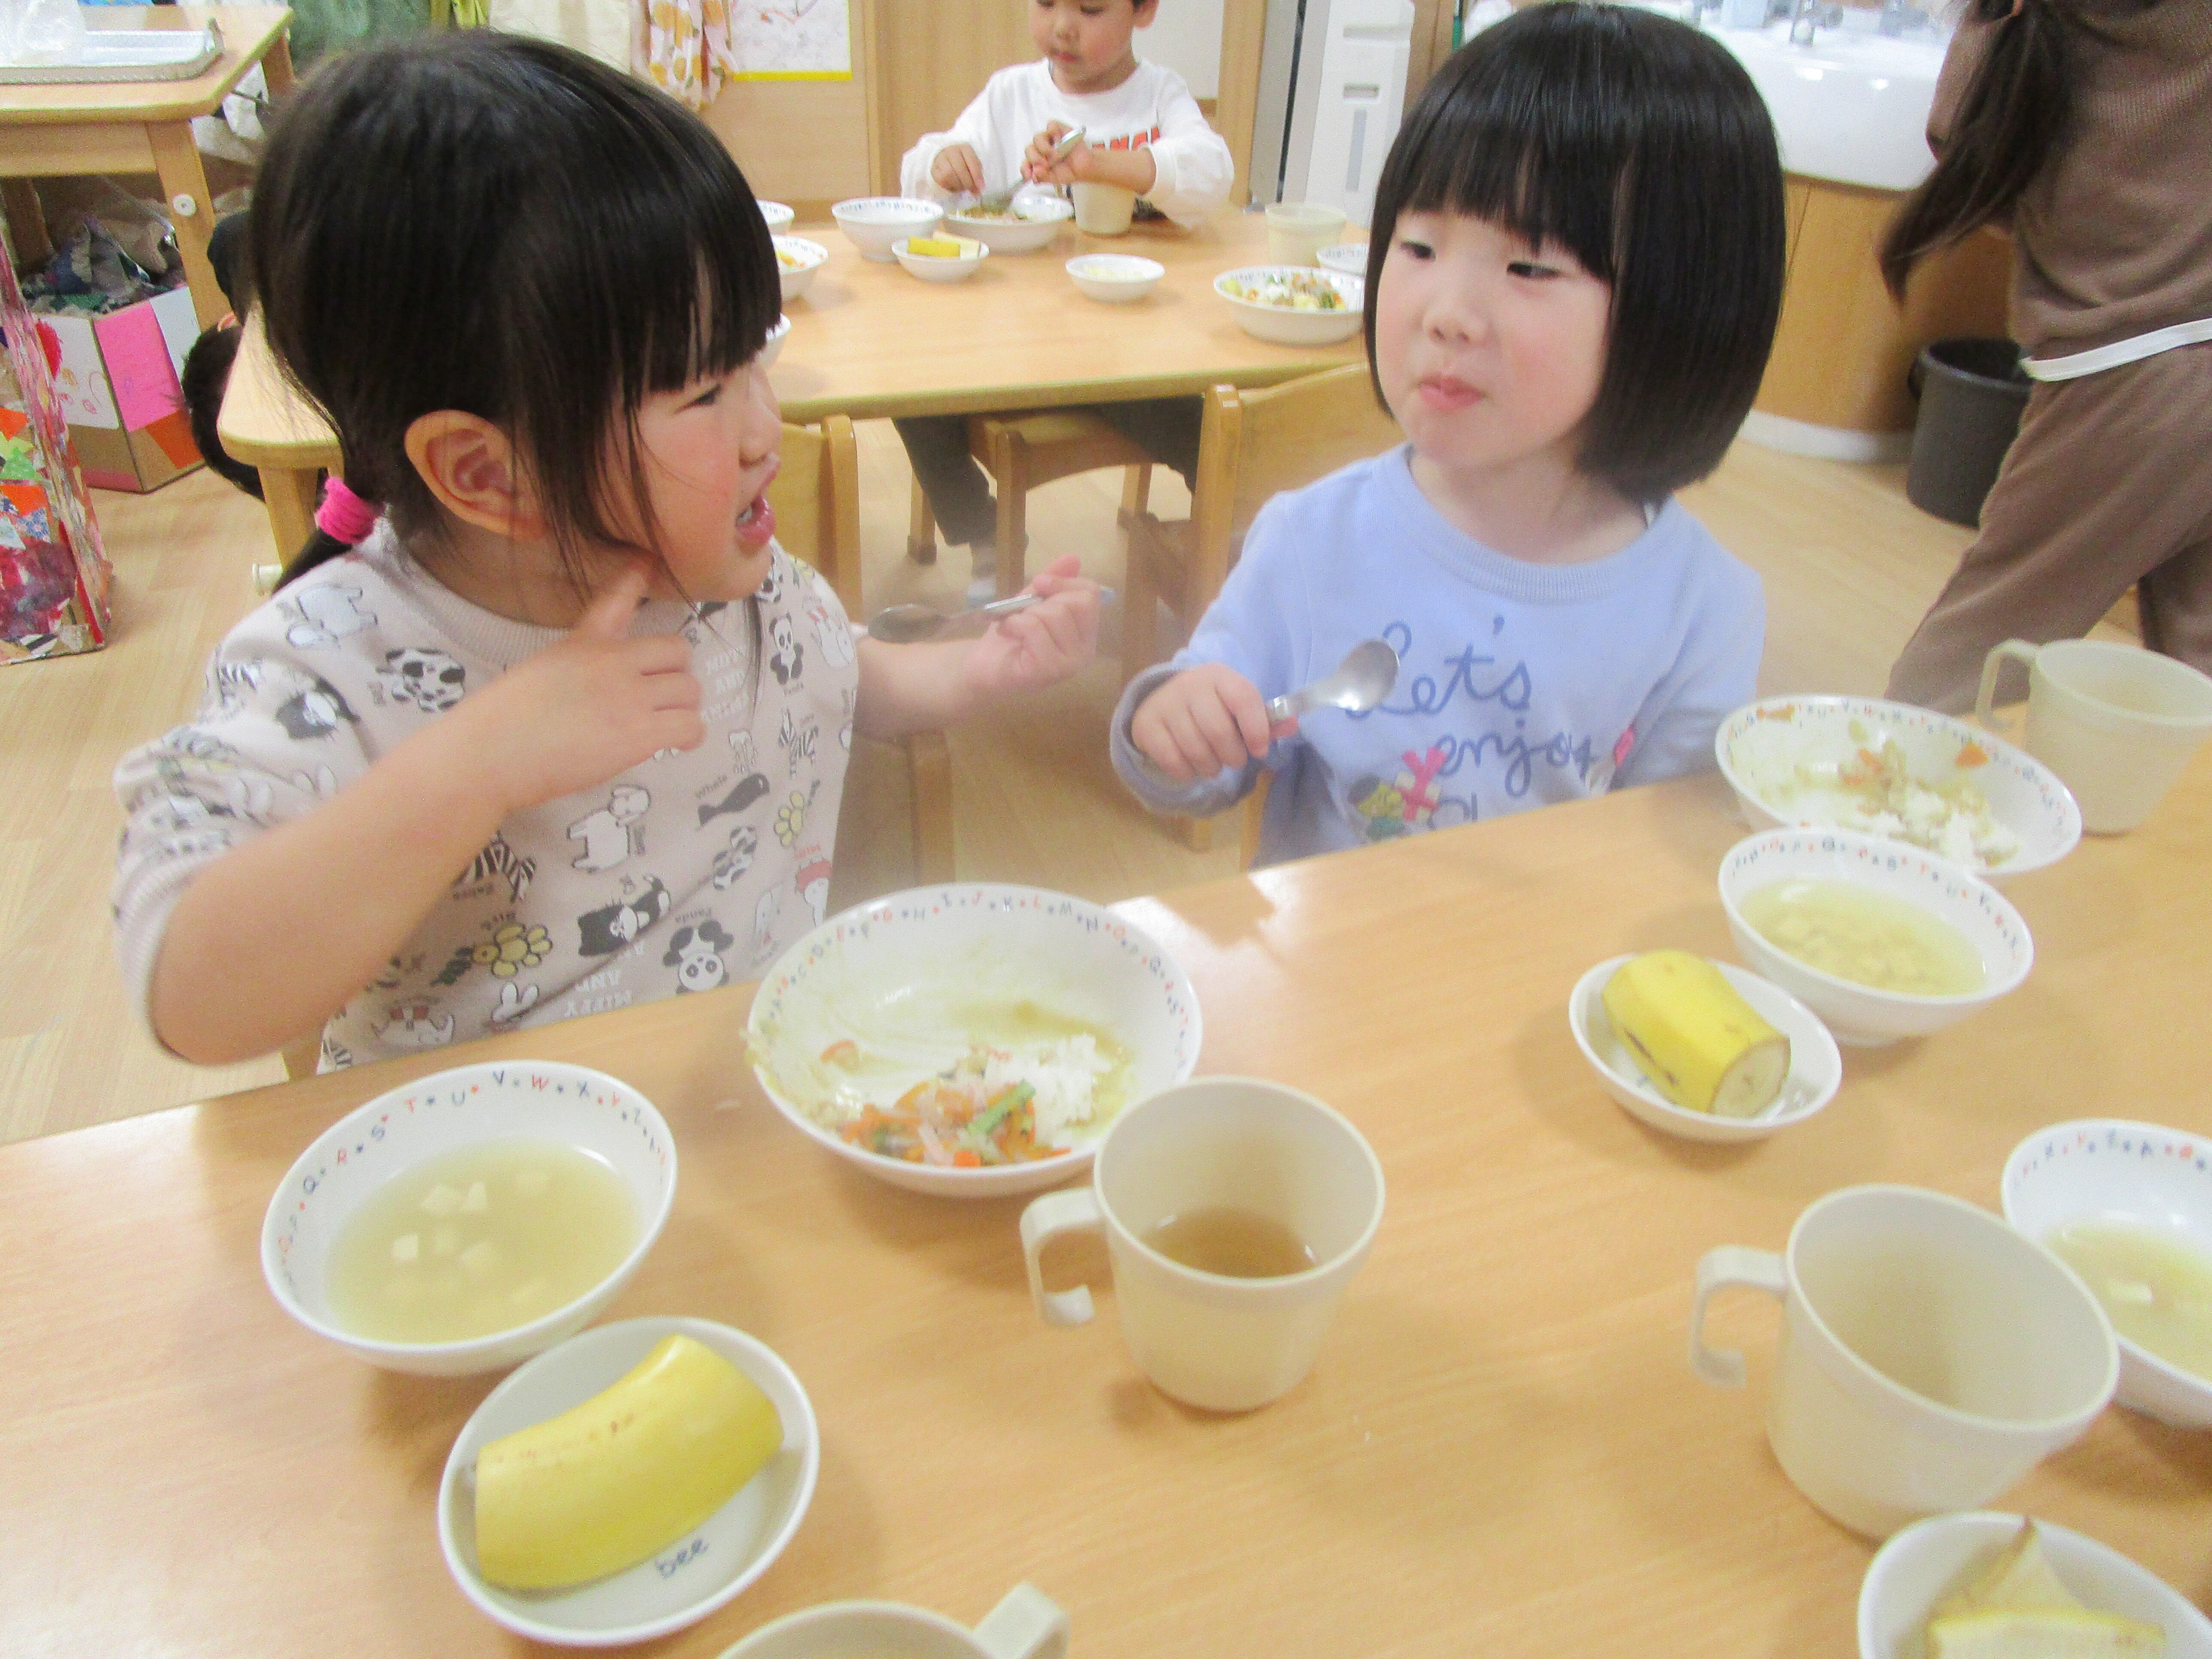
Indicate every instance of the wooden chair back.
{"type": "Point", "coordinates": [816, 498]}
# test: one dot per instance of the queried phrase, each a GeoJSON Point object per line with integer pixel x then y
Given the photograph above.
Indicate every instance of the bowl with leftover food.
{"type": "Point", "coordinates": [796, 259]}
{"type": "Point", "coordinates": [1888, 768]}
{"type": "Point", "coordinates": [938, 257]}
{"type": "Point", "coordinates": [1879, 938]}
{"type": "Point", "coordinates": [1023, 227]}
{"type": "Point", "coordinates": [469, 1219]}
{"type": "Point", "coordinates": [2000, 1585]}
{"type": "Point", "coordinates": [1639, 1069]}
{"type": "Point", "coordinates": [971, 1039]}
{"type": "Point", "coordinates": [772, 348]}
{"type": "Point", "coordinates": [872, 223]}
{"type": "Point", "coordinates": [1350, 259]}
{"type": "Point", "coordinates": [2127, 1206]}
{"type": "Point", "coordinates": [1115, 278]}
{"type": "Point", "coordinates": [778, 215]}
{"type": "Point", "coordinates": [1294, 304]}
{"type": "Point", "coordinates": [564, 1532]}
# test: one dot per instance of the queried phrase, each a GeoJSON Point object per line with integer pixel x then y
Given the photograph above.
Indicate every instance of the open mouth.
{"type": "Point", "coordinates": [755, 526]}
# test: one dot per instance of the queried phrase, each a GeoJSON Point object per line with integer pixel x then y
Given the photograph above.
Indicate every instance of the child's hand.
{"type": "Point", "coordinates": [1203, 722]}
{"type": "Point", "coordinates": [1038, 166]}
{"type": "Point", "coordinates": [586, 709]}
{"type": "Point", "coordinates": [1042, 645]}
{"type": "Point", "coordinates": [958, 168]}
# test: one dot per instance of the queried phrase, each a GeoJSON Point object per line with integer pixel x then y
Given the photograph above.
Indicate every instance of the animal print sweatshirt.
{"type": "Point", "coordinates": [695, 868]}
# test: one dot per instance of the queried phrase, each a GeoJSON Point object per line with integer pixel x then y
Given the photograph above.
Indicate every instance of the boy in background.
{"type": "Point", "coordinates": [1144, 131]}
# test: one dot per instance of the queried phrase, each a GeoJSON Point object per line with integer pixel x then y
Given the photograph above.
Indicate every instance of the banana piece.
{"type": "Point", "coordinates": [631, 1470]}
{"type": "Point", "coordinates": [1701, 1044]}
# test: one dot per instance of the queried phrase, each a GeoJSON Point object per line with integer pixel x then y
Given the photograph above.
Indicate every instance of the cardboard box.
{"type": "Point", "coordinates": [118, 383]}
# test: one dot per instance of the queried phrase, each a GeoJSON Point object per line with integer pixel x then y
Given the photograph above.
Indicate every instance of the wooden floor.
{"type": "Point", "coordinates": [1849, 566]}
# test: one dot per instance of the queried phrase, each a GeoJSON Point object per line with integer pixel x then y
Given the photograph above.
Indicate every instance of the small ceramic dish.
{"type": "Point", "coordinates": [872, 223]}
{"type": "Point", "coordinates": [1816, 1069]}
{"type": "Point", "coordinates": [1115, 278]}
{"type": "Point", "coordinates": [797, 260]}
{"type": "Point", "coordinates": [496, 1100]}
{"type": "Point", "coordinates": [1033, 222]}
{"type": "Point", "coordinates": [905, 977]}
{"type": "Point", "coordinates": [1348, 258]}
{"type": "Point", "coordinates": [695, 1575]}
{"type": "Point", "coordinates": [1857, 1015]}
{"type": "Point", "coordinates": [2111, 1170]}
{"type": "Point", "coordinates": [772, 348]}
{"type": "Point", "coordinates": [1287, 325]}
{"type": "Point", "coordinates": [778, 215]}
{"type": "Point", "coordinates": [1783, 757]}
{"type": "Point", "coordinates": [937, 269]}
{"type": "Point", "coordinates": [1918, 1566]}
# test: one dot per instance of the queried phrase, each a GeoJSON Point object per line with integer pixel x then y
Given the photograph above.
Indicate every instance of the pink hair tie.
{"type": "Point", "coordinates": [343, 516]}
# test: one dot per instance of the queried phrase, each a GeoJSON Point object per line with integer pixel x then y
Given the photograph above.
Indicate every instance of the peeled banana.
{"type": "Point", "coordinates": [631, 1470]}
{"type": "Point", "coordinates": [1701, 1044]}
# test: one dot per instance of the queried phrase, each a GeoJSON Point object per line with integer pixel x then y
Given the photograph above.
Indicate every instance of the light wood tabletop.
{"type": "Point", "coordinates": [1502, 1451]}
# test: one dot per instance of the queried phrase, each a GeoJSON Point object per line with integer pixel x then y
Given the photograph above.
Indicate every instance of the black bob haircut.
{"type": "Point", "coordinates": [504, 227]}
{"type": "Point", "coordinates": [1641, 147]}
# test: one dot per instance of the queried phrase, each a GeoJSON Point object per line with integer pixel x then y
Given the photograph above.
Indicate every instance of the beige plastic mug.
{"type": "Point", "coordinates": [2116, 722]}
{"type": "Point", "coordinates": [1298, 231]}
{"type": "Point", "coordinates": [1026, 1624]}
{"type": "Point", "coordinates": [1222, 1343]}
{"type": "Point", "coordinates": [1102, 210]}
{"type": "Point", "coordinates": [1931, 1356]}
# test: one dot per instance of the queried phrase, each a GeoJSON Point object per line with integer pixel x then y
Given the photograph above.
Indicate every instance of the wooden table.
{"type": "Point", "coordinates": [870, 340]}
{"type": "Point", "coordinates": [1502, 1451]}
{"type": "Point", "coordinates": [144, 126]}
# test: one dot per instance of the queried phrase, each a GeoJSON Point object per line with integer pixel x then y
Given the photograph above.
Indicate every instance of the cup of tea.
{"type": "Point", "coordinates": [1931, 1356]}
{"type": "Point", "coordinates": [1102, 210]}
{"type": "Point", "coordinates": [1027, 1625]}
{"type": "Point", "coordinates": [1236, 1211]}
{"type": "Point", "coordinates": [1298, 231]}
{"type": "Point", "coordinates": [2116, 722]}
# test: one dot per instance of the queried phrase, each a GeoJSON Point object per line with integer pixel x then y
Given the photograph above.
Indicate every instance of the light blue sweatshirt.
{"type": "Point", "coordinates": [1519, 685]}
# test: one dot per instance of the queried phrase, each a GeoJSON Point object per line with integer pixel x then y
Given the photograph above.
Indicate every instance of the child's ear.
{"type": "Point", "coordinates": [470, 466]}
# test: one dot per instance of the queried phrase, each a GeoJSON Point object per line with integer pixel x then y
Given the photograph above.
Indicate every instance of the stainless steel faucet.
{"type": "Point", "coordinates": [1898, 16]}
{"type": "Point", "coordinates": [1808, 15]}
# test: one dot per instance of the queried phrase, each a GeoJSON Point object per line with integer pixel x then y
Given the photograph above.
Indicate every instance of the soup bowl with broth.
{"type": "Point", "coordinates": [1879, 938]}
{"type": "Point", "coordinates": [465, 1221]}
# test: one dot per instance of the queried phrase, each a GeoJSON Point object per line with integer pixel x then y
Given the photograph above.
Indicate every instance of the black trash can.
{"type": "Point", "coordinates": [1971, 392]}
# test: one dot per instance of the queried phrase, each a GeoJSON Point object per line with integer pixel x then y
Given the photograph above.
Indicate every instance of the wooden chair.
{"type": "Point", "coordinates": [1251, 447]}
{"type": "Point", "coordinates": [1022, 451]}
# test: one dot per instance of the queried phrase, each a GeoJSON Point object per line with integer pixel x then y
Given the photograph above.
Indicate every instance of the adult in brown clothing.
{"type": "Point", "coordinates": [2086, 126]}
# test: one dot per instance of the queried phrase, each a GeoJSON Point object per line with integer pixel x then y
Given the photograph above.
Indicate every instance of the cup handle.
{"type": "Point", "coordinates": [1992, 665]}
{"type": "Point", "coordinates": [1027, 1623]}
{"type": "Point", "coordinates": [1046, 1220]}
{"type": "Point", "coordinates": [1729, 1264]}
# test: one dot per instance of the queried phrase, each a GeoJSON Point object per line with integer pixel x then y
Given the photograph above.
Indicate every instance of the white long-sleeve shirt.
{"type": "Point", "coordinates": [1152, 109]}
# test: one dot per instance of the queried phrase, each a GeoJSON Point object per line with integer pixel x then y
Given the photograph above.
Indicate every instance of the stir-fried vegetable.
{"type": "Point", "coordinates": [955, 1122]}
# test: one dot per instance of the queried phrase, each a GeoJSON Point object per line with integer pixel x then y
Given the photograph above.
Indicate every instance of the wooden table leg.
{"type": "Point", "coordinates": [192, 211]}
{"type": "Point", "coordinates": [277, 66]}
{"type": "Point", "coordinates": [290, 495]}
{"type": "Point", "coordinates": [26, 222]}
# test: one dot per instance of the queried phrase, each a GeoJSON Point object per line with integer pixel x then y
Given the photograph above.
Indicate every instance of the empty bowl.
{"type": "Point", "coordinates": [399, 1131]}
{"type": "Point", "coordinates": [939, 268]}
{"type": "Point", "coordinates": [772, 348]}
{"type": "Point", "coordinates": [1294, 304]}
{"type": "Point", "coordinates": [1816, 1069]}
{"type": "Point", "coordinates": [1856, 1014]}
{"type": "Point", "coordinates": [1115, 278]}
{"type": "Point", "coordinates": [2111, 1170]}
{"type": "Point", "coordinates": [872, 223]}
{"type": "Point", "coordinates": [694, 1575]}
{"type": "Point", "coordinates": [778, 215]}
{"type": "Point", "coordinates": [1027, 225]}
{"type": "Point", "coordinates": [1348, 258]}
{"type": "Point", "coordinates": [796, 259]}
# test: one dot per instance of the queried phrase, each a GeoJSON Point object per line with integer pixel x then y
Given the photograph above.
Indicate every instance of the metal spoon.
{"type": "Point", "coordinates": [999, 201]}
{"type": "Point", "coordinates": [1362, 679]}
{"type": "Point", "coordinates": [905, 624]}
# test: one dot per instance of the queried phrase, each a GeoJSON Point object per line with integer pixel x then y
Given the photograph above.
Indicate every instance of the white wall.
{"type": "Point", "coordinates": [1186, 36]}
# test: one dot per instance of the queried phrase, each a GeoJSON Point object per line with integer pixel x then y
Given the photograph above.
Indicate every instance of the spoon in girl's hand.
{"type": "Point", "coordinates": [906, 624]}
{"type": "Point", "coordinates": [1362, 680]}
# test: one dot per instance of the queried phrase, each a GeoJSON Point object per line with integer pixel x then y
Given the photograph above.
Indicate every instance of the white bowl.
{"type": "Point", "coordinates": [1038, 221]}
{"type": "Point", "coordinates": [399, 1130]}
{"type": "Point", "coordinates": [895, 970]}
{"type": "Point", "coordinates": [1287, 327]}
{"type": "Point", "coordinates": [1761, 746]}
{"type": "Point", "coordinates": [2111, 1170]}
{"type": "Point", "coordinates": [691, 1578]}
{"type": "Point", "coordinates": [772, 348]}
{"type": "Point", "coordinates": [930, 269]}
{"type": "Point", "coordinates": [1816, 1069]}
{"type": "Point", "coordinates": [1860, 1015]}
{"type": "Point", "coordinates": [874, 222]}
{"type": "Point", "coordinates": [798, 279]}
{"type": "Point", "coordinates": [1918, 1566]}
{"type": "Point", "coordinates": [1115, 278]}
{"type": "Point", "coordinates": [1349, 257]}
{"type": "Point", "coordinates": [778, 215]}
